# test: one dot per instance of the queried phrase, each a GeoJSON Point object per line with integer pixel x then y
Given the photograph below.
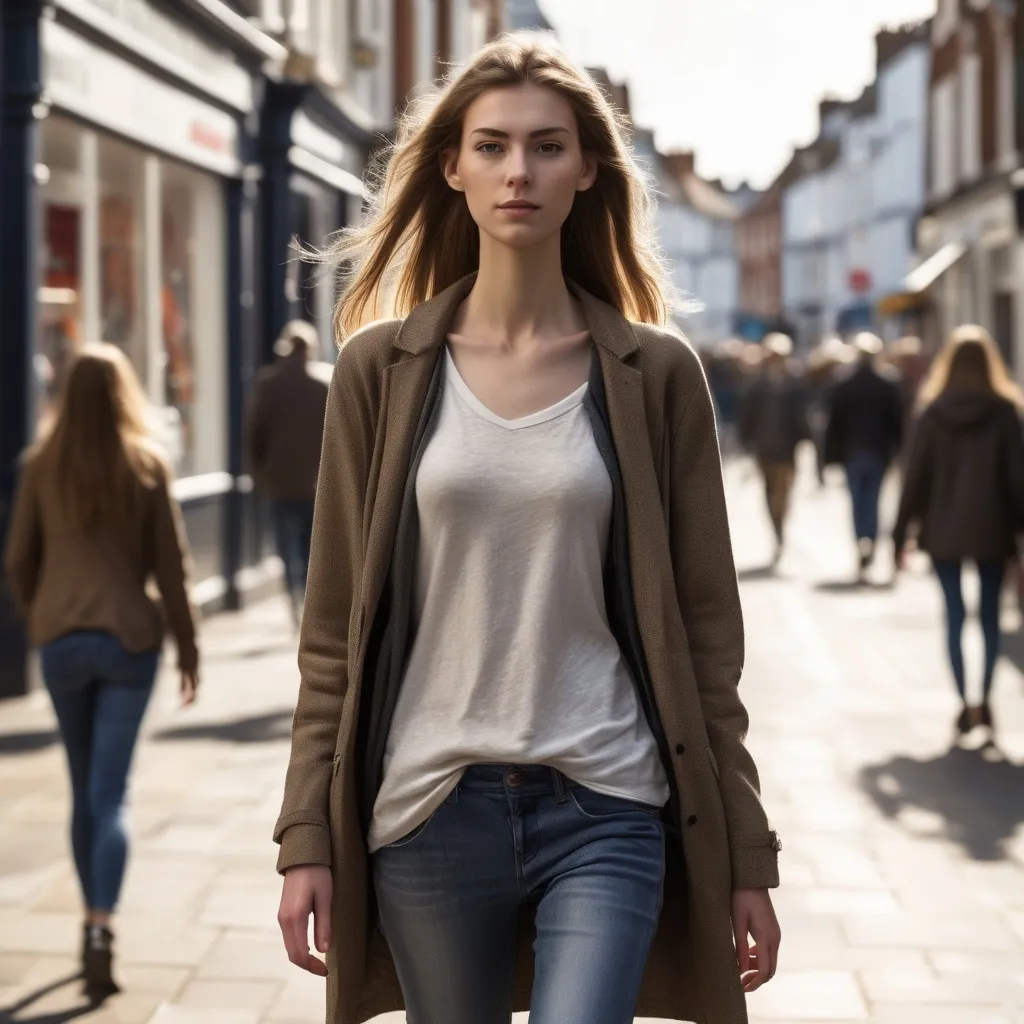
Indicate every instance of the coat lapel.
{"type": "Point", "coordinates": [405, 385]}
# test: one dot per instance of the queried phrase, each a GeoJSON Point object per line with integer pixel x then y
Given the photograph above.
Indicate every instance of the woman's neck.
{"type": "Point", "coordinates": [519, 296]}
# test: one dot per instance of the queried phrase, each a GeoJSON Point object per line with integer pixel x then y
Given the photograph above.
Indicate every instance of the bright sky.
{"type": "Point", "coordinates": [736, 80]}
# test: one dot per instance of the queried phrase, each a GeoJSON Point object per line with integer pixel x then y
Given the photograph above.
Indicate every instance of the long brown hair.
{"type": "Point", "coordinates": [418, 236]}
{"type": "Point", "coordinates": [99, 442]}
{"type": "Point", "coordinates": [970, 361]}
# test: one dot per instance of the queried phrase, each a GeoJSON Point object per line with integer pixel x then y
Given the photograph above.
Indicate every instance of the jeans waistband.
{"type": "Point", "coordinates": [516, 779]}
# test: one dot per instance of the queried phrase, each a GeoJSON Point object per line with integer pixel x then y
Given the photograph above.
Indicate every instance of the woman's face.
{"type": "Point", "coordinates": [520, 163]}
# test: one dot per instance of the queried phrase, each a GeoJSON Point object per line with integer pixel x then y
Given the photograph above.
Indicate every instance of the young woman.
{"type": "Point", "coordinates": [964, 490]}
{"type": "Point", "coordinates": [517, 774]}
{"type": "Point", "coordinates": [94, 519]}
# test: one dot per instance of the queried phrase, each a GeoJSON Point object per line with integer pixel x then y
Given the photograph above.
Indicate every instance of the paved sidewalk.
{"type": "Point", "coordinates": [903, 861]}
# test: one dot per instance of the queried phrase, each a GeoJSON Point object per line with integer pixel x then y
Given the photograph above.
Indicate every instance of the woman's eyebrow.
{"type": "Point", "coordinates": [497, 133]}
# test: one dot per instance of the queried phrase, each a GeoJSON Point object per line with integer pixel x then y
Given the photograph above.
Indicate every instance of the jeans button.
{"type": "Point", "coordinates": [514, 778]}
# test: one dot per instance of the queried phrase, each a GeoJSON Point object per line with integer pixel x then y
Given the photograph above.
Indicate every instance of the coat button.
{"type": "Point", "coordinates": [692, 819]}
{"type": "Point", "coordinates": [680, 748]}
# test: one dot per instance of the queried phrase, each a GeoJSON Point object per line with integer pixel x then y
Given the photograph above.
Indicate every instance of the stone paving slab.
{"type": "Point", "coordinates": [902, 862]}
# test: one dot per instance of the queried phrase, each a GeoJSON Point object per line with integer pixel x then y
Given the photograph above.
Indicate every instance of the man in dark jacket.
{"type": "Point", "coordinates": [772, 423]}
{"type": "Point", "coordinates": [864, 434]}
{"type": "Point", "coordinates": [284, 432]}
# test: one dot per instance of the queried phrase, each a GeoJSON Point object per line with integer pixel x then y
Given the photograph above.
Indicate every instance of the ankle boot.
{"type": "Point", "coordinates": [98, 962]}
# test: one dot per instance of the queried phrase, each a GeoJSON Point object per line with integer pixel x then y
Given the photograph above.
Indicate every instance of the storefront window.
{"type": "Point", "coordinates": [176, 305]}
{"type": "Point", "coordinates": [122, 315]}
{"type": "Point", "coordinates": [60, 272]}
{"type": "Point", "coordinates": [132, 252]}
{"type": "Point", "coordinates": [193, 386]}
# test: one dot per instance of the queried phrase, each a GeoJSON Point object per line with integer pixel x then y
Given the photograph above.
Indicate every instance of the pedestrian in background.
{"type": "Point", "coordinates": [284, 432]}
{"type": "Point", "coordinates": [519, 738]}
{"type": "Point", "coordinates": [773, 422]}
{"type": "Point", "coordinates": [964, 491]}
{"type": "Point", "coordinates": [94, 520]}
{"type": "Point", "coordinates": [864, 433]}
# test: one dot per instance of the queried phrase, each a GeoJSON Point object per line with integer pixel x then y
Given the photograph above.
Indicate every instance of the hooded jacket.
{"type": "Point", "coordinates": [964, 483]}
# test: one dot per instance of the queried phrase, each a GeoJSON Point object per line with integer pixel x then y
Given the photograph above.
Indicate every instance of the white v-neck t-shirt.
{"type": "Point", "coordinates": [513, 659]}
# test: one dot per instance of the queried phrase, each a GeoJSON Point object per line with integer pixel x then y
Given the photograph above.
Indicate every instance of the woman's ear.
{"type": "Point", "coordinates": [589, 173]}
{"type": "Point", "coordinates": [450, 169]}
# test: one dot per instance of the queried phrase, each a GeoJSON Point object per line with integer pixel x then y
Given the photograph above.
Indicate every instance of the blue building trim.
{"type": "Point", "coordinates": [20, 75]}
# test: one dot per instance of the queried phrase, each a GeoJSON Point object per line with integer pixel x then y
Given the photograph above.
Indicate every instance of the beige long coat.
{"type": "Point", "coordinates": [687, 605]}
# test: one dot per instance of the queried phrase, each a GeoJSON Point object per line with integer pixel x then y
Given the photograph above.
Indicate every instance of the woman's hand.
{"type": "Point", "coordinates": [307, 889]}
{"type": "Point", "coordinates": [189, 686]}
{"type": "Point", "coordinates": [754, 915]}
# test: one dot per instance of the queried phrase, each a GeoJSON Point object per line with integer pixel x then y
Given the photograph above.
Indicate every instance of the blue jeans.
{"type": "Point", "coordinates": [991, 574]}
{"type": "Point", "coordinates": [449, 895]}
{"type": "Point", "coordinates": [293, 529]}
{"type": "Point", "coordinates": [865, 472]}
{"type": "Point", "coordinates": [99, 693]}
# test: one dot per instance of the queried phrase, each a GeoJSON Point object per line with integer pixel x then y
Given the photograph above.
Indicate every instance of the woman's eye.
{"type": "Point", "coordinates": [550, 147]}
{"type": "Point", "coordinates": [488, 147]}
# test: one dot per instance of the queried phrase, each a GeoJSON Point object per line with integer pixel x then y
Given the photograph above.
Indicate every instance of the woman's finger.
{"type": "Point", "coordinates": [776, 942]}
{"type": "Point", "coordinates": [742, 943]}
{"type": "Point", "coordinates": [762, 944]}
{"type": "Point", "coordinates": [322, 918]}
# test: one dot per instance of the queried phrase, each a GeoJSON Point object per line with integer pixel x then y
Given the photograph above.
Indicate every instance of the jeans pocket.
{"type": "Point", "coordinates": [409, 837]}
{"type": "Point", "coordinates": [600, 806]}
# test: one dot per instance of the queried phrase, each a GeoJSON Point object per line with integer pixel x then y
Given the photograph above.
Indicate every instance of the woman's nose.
{"type": "Point", "coordinates": [518, 168]}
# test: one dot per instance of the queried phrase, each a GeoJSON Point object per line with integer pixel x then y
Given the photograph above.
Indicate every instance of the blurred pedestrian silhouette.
{"type": "Point", "coordinates": [824, 365]}
{"type": "Point", "coordinates": [964, 490]}
{"type": "Point", "coordinates": [93, 521]}
{"type": "Point", "coordinates": [772, 423]}
{"type": "Point", "coordinates": [864, 433]}
{"type": "Point", "coordinates": [284, 432]}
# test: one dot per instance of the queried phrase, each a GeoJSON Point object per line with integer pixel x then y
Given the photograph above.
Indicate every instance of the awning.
{"type": "Point", "coordinates": [924, 276]}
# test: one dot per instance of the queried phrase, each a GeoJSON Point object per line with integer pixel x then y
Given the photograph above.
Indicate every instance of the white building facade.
{"type": "Point", "coordinates": [849, 217]}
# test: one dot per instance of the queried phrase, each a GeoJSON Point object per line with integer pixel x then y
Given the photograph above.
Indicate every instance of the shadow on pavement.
{"type": "Point", "coordinates": [978, 795]}
{"type": "Point", "coordinates": [1013, 648]}
{"type": "Point", "coordinates": [27, 743]}
{"type": "Point", "coordinates": [252, 653]}
{"type": "Point", "coordinates": [276, 725]}
{"type": "Point", "coordinates": [13, 1014]}
{"type": "Point", "coordinates": [757, 573]}
{"type": "Point", "coordinates": [852, 586]}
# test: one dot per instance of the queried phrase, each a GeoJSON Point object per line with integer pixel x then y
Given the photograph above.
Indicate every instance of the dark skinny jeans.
{"type": "Point", "coordinates": [991, 574]}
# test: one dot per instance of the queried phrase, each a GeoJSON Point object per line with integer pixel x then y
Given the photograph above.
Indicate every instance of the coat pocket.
{"type": "Point", "coordinates": [714, 762]}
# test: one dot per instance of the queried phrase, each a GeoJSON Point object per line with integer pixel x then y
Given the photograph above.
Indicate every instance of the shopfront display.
{"type": "Point", "coordinates": [133, 253]}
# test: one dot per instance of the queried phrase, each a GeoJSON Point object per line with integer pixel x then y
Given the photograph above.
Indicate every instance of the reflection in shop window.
{"type": "Point", "coordinates": [121, 230]}
{"type": "Point", "coordinates": [176, 308]}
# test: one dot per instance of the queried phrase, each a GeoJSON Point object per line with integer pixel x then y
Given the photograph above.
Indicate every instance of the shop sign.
{"type": "Point", "coordinates": [161, 39]}
{"type": "Point", "coordinates": [93, 83]}
{"type": "Point", "coordinates": [323, 144]}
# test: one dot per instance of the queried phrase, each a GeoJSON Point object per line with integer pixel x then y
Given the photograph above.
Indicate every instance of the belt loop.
{"type": "Point", "coordinates": [561, 790]}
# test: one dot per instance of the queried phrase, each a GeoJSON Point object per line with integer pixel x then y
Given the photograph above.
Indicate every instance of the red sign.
{"type": "Point", "coordinates": [860, 281]}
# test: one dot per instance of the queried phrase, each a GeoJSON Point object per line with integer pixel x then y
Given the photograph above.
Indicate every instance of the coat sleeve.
{"type": "Point", "coordinates": [255, 433]}
{"type": "Point", "coordinates": [709, 599]}
{"type": "Point", "coordinates": [916, 480]}
{"type": "Point", "coordinates": [172, 562]}
{"type": "Point", "coordinates": [23, 556]}
{"type": "Point", "coordinates": [1013, 447]}
{"type": "Point", "coordinates": [303, 828]}
{"type": "Point", "coordinates": [835, 428]}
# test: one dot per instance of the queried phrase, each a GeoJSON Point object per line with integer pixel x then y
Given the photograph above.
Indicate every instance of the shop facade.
{"type": "Point", "coordinates": [312, 152]}
{"type": "Point", "coordinates": [130, 214]}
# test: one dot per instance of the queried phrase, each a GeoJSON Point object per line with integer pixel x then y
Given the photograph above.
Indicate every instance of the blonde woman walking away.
{"type": "Point", "coordinates": [518, 776]}
{"type": "Point", "coordinates": [964, 491]}
{"type": "Point", "coordinates": [93, 521]}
